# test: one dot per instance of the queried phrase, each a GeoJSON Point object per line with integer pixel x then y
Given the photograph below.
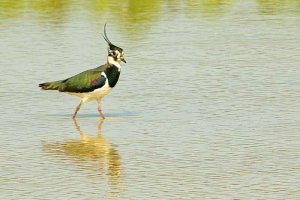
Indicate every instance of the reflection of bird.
{"type": "Point", "coordinates": [95, 83]}
{"type": "Point", "coordinates": [89, 149]}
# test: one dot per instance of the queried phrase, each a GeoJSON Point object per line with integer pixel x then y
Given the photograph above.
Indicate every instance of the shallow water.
{"type": "Point", "coordinates": [207, 107]}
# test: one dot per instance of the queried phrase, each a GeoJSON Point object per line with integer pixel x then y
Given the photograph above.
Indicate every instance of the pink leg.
{"type": "Point", "coordinates": [99, 109]}
{"type": "Point", "coordinates": [77, 109]}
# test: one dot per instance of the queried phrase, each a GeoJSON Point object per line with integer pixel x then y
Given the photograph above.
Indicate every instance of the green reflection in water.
{"type": "Point", "coordinates": [51, 10]}
{"type": "Point", "coordinates": [93, 154]}
{"type": "Point", "coordinates": [272, 7]}
{"type": "Point", "coordinates": [10, 9]}
{"type": "Point", "coordinates": [129, 11]}
{"type": "Point", "coordinates": [209, 8]}
{"type": "Point", "coordinates": [134, 16]}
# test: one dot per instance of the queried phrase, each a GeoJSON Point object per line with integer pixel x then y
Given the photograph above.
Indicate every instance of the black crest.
{"type": "Point", "coordinates": [111, 46]}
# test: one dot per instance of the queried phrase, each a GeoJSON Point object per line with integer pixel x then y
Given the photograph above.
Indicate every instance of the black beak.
{"type": "Point", "coordinates": [123, 60]}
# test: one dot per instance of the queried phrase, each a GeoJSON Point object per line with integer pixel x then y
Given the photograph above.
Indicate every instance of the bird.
{"type": "Point", "coordinates": [92, 84]}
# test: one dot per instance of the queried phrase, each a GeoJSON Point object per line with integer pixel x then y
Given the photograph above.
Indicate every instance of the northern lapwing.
{"type": "Point", "coordinates": [95, 83]}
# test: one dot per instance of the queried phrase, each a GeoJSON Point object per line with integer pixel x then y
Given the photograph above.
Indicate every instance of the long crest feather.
{"type": "Point", "coordinates": [111, 45]}
{"type": "Point", "coordinates": [105, 35]}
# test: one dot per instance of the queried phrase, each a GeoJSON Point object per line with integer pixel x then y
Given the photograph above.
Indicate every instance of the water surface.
{"type": "Point", "coordinates": [207, 107]}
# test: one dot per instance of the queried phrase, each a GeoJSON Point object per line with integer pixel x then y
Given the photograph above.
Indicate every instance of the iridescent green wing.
{"type": "Point", "coordinates": [86, 81]}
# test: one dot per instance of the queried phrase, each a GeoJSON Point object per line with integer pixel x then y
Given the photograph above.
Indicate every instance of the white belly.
{"type": "Point", "coordinates": [96, 94]}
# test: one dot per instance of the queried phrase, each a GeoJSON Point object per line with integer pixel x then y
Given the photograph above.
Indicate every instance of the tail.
{"type": "Point", "coordinates": [50, 85]}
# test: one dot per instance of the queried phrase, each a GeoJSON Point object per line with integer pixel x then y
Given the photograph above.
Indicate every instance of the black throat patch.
{"type": "Point", "coordinates": [112, 74]}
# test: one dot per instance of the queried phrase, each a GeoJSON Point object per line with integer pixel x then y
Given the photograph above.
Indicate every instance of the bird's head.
{"type": "Point", "coordinates": [115, 54]}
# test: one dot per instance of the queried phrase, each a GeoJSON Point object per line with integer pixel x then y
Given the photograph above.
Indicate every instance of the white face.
{"type": "Point", "coordinates": [116, 55]}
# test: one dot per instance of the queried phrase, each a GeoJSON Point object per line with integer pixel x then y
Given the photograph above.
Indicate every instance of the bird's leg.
{"type": "Point", "coordinates": [77, 109]}
{"type": "Point", "coordinates": [77, 127]}
{"type": "Point", "coordinates": [99, 109]}
{"type": "Point", "coordinates": [100, 128]}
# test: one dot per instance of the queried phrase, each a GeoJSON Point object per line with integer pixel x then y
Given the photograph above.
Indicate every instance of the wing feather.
{"type": "Point", "coordinates": [86, 81]}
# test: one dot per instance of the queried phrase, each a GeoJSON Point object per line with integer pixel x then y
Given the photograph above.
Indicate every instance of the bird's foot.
{"type": "Point", "coordinates": [102, 116]}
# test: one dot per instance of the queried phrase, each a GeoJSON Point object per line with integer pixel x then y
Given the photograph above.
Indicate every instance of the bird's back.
{"type": "Point", "coordinates": [85, 81]}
